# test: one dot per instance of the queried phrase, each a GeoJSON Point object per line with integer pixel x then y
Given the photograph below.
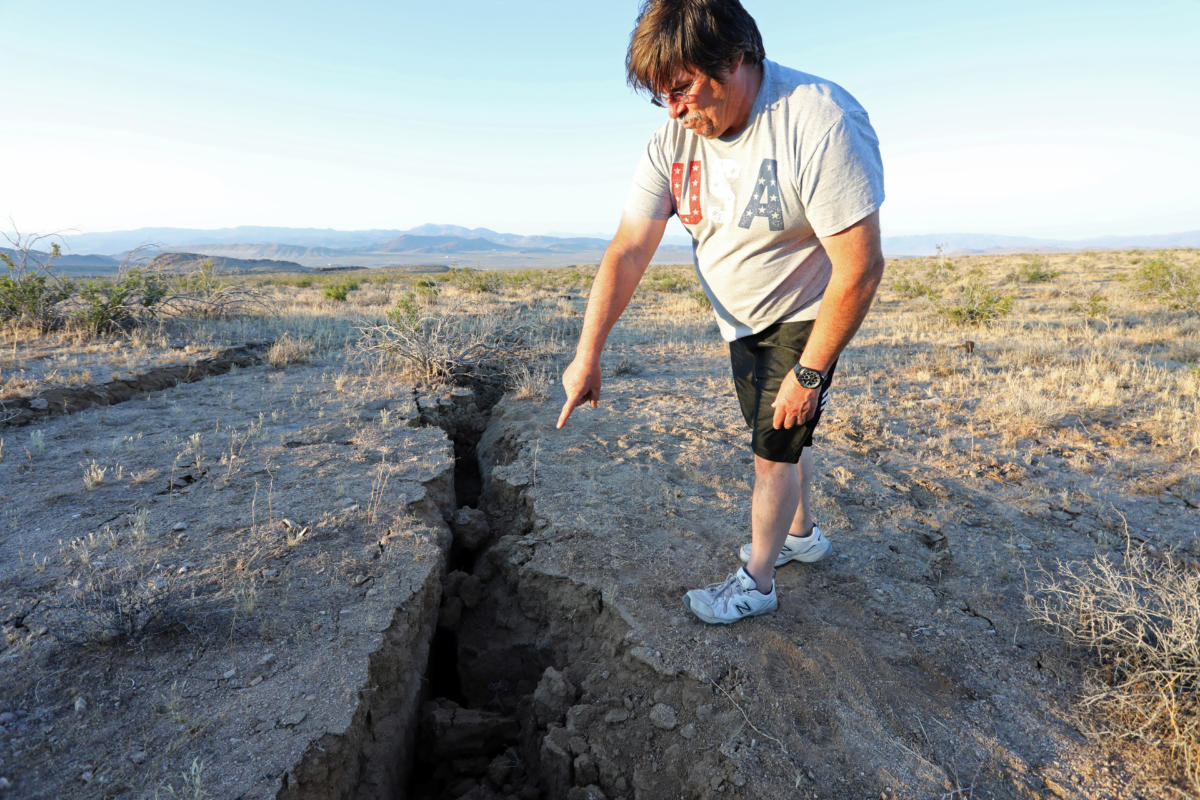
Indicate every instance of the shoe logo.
{"type": "Point", "coordinates": [742, 607]}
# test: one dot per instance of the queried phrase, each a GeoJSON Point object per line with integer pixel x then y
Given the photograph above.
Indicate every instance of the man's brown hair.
{"type": "Point", "coordinates": [674, 35]}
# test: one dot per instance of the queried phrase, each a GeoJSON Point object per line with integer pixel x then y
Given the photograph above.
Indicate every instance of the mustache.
{"type": "Point", "coordinates": [692, 117]}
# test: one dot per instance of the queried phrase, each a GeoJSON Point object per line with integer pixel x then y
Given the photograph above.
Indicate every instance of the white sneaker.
{"type": "Point", "coordinates": [737, 597]}
{"type": "Point", "coordinates": [809, 548]}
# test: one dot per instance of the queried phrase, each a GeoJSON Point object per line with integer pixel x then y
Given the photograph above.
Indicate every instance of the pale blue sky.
{"type": "Point", "coordinates": [1067, 119]}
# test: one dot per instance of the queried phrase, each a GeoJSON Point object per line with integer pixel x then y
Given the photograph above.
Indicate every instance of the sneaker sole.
{"type": "Point", "coordinates": [687, 603]}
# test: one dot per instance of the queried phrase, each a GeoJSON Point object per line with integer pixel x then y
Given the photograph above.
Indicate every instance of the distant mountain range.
{"type": "Point", "coordinates": [453, 245]}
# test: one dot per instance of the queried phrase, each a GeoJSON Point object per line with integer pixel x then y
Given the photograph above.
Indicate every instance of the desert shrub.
{"type": "Point", "coordinates": [120, 604]}
{"type": "Point", "coordinates": [425, 289]}
{"type": "Point", "coordinates": [339, 290]}
{"type": "Point", "coordinates": [203, 294]}
{"type": "Point", "coordinates": [700, 298]}
{"type": "Point", "coordinates": [668, 282]}
{"type": "Point", "coordinates": [451, 345]}
{"type": "Point", "coordinates": [1036, 270]}
{"type": "Point", "coordinates": [1178, 286]}
{"type": "Point", "coordinates": [303, 282]}
{"type": "Point", "coordinates": [107, 306]}
{"type": "Point", "coordinates": [910, 286]}
{"type": "Point", "coordinates": [924, 278]}
{"type": "Point", "coordinates": [1093, 306]}
{"type": "Point", "coordinates": [30, 291]}
{"type": "Point", "coordinates": [473, 280]}
{"type": "Point", "coordinates": [974, 303]}
{"type": "Point", "coordinates": [1141, 621]}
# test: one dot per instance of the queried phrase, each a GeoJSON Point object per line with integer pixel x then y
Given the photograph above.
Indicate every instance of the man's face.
{"type": "Point", "coordinates": [701, 103]}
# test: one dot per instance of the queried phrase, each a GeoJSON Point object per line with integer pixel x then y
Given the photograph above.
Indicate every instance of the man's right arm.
{"type": "Point", "coordinates": [624, 262]}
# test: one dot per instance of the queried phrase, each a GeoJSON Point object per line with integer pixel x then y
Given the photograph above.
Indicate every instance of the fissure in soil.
{"type": "Point", "coordinates": [463, 746]}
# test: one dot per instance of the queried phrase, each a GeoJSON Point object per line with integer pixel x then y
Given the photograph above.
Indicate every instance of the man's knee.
{"type": "Point", "coordinates": [765, 466]}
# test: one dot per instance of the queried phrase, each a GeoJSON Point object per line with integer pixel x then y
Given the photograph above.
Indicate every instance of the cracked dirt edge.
{"type": "Point", "coordinates": [372, 757]}
{"type": "Point", "coordinates": [69, 399]}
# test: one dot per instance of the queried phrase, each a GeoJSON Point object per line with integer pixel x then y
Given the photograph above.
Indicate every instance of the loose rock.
{"type": "Point", "coordinates": [663, 716]}
{"type": "Point", "coordinates": [554, 694]}
{"type": "Point", "coordinates": [471, 528]}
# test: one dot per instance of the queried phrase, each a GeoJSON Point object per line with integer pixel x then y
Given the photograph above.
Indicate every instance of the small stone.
{"type": "Point", "coordinates": [663, 716]}
{"type": "Point", "coordinates": [704, 712]}
{"type": "Point", "coordinates": [39, 404]}
{"type": "Point", "coordinates": [347, 502]}
{"type": "Point", "coordinates": [7, 717]}
{"type": "Point", "coordinates": [5, 783]}
{"type": "Point", "coordinates": [580, 717]}
{"type": "Point", "coordinates": [80, 704]}
{"type": "Point", "coordinates": [267, 660]}
{"type": "Point", "coordinates": [359, 580]}
{"type": "Point", "coordinates": [179, 527]}
{"type": "Point", "coordinates": [256, 680]}
{"type": "Point", "coordinates": [292, 720]}
{"type": "Point", "coordinates": [86, 776]}
{"type": "Point", "coordinates": [471, 529]}
{"type": "Point", "coordinates": [552, 697]}
{"type": "Point", "coordinates": [229, 673]}
{"type": "Point", "coordinates": [688, 731]}
{"type": "Point", "coordinates": [137, 757]}
{"type": "Point", "coordinates": [616, 716]}
{"type": "Point", "coordinates": [270, 572]}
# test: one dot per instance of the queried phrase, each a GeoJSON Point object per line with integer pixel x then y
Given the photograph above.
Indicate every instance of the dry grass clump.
{"type": "Point", "coordinates": [288, 350]}
{"type": "Point", "coordinates": [446, 344]}
{"type": "Point", "coordinates": [1141, 620]}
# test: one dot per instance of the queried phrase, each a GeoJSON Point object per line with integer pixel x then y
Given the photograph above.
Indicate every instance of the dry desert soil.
{"type": "Point", "coordinates": [231, 571]}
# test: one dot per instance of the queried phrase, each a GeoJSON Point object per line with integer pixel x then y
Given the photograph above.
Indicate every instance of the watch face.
{"type": "Point", "coordinates": [808, 378]}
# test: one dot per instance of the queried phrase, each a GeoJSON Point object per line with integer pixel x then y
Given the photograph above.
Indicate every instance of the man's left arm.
{"type": "Point", "coordinates": [857, 258]}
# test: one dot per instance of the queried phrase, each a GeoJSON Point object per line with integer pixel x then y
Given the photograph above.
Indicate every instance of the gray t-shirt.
{"type": "Point", "coordinates": [806, 165]}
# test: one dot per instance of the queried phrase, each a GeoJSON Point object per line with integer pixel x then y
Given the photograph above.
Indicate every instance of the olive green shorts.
{"type": "Point", "coordinates": [760, 362]}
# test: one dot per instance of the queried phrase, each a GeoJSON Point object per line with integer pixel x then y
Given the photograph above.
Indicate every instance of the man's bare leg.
{"type": "Point", "coordinates": [802, 524]}
{"type": "Point", "coordinates": [775, 504]}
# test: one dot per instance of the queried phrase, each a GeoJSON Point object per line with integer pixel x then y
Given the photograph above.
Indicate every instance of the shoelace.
{"type": "Point", "coordinates": [719, 591]}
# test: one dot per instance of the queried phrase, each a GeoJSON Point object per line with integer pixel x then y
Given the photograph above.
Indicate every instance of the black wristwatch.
{"type": "Point", "coordinates": [808, 378]}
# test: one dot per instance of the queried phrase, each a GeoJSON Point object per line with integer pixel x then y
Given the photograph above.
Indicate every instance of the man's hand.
{"type": "Point", "coordinates": [581, 379]}
{"type": "Point", "coordinates": [794, 404]}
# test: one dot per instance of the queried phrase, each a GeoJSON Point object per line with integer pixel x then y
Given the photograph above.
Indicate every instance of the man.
{"type": "Point", "coordinates": [776, 174]}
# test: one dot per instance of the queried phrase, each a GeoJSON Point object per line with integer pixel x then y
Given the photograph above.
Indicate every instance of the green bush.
{"type": "Point", "coordinates": [1093, 306]}
{"type": "Point", "coordinates": [912, 287]}
{"type": "Point", "coordinates": [407, 313]}
{"type": "Point", "coordinates": [30, 291]}
{"type": "Point", "coordinates": [106, 306]}
{"type": "Point", "coordinates": [1035, 271]}
{"type": "Point", "coordinates": [472, 280]}
{"type": "Point", "coordinates": [975, 304]}
{"type": "Point", "coordinates": [425, 288]}
{"type": "Point", "coordinates": [1178, 286]}
{"type": "Point", "coordinates": [668, 282]}
{"type": "Point", "coordinates": [339, 290]}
